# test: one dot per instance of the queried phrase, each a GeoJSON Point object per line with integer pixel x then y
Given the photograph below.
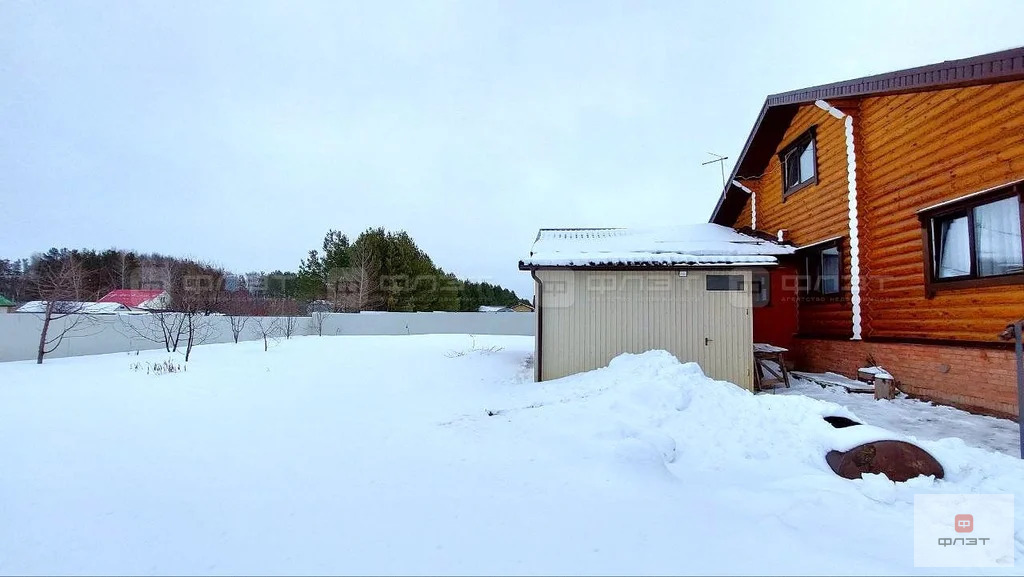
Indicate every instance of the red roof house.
{"type": "Point", "coordinates": [139, 299]}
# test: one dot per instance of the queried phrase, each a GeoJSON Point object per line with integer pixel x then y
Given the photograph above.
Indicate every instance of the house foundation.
{"type": "Point", "coordinates": [981, 380]}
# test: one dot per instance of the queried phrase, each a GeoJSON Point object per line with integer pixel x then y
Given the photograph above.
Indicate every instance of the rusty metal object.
{"type": "Point", "coordinates": [898, 460]}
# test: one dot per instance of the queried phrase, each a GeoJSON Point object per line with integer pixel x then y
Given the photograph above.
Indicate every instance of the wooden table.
{"type": "Point", "coordinates": [766, 352]}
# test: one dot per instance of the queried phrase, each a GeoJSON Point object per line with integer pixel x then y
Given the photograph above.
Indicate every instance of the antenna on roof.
{"type": "Point", "coordinates": [719, 159]}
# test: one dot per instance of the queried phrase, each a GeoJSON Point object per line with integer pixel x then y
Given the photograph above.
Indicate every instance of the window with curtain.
{"type": "Point", "coordinates": [997, 238]}
{"type": "Point", "coordinates": [981, 239]}
{"type": "Point", "coordinates": [953, 247]}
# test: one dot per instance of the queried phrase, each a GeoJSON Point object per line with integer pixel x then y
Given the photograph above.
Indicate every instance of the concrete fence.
{"type": "Point", "coordinates": [98, 334]}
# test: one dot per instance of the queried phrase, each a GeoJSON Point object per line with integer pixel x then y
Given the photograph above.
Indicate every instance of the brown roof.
{"type": "Point", "coordinates": [779, 109]}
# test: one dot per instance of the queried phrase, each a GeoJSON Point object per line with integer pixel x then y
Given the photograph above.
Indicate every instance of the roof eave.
{"type": "Point", "coordinates": [992, 68]}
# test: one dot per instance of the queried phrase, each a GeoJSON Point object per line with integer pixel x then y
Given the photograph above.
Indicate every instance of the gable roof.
{"type": "Point", "coordinates": [700, 244]}
{"type": "Point", "coordinates": [6, 302]}
{"type": "Point", "coordinates": [131, 298]}
{"type": "Point", "coordinates": [85, 308]}
{"type": "Point", "coordinates": [779, 109]}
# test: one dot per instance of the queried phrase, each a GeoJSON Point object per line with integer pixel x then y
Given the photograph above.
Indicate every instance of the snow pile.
{"type": "Point", "coordinates": [437, 454]}
{"type": "Point", "coordinates": [710, 425]}
{"type": "Point", "coordinates": [878, 372]}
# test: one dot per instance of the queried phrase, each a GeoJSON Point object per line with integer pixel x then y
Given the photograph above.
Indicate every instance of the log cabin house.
{"type": "Point", "coordinates": [903, 194]}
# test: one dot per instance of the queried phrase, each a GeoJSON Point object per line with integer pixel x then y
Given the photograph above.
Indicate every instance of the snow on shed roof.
{"type": "Point", "coordinates": [131, 298]}
{"type": "Point", "coordinates": [701, 244]}
{"type": "Point", "coordinates": [87, 308]}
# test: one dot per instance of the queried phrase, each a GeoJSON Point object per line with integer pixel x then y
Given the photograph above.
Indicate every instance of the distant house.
{"type": "Point", "coordinates": [320, 306]}
{"type": "Point", "coordinates": [493, 309]}
{"type": "Point", "coordinates": [139, 299]}
{"type": "Point", "coordinates": [522, 308]}
{"type": "Point", "coordinates": [234, 282]}
{"type": "Point", "coordinates": [6, 305]}
{"type": "Point", "coordinates": [85, 308]}
{"type": "Point", "coordinates": [685, 289]}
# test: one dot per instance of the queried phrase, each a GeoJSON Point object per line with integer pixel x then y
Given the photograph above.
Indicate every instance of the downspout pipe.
{"type": "Point", "coordinates": [540, 325]}
{"type": "Point", "coordinates": [1015, 332]}
{"type": "Point", "coordinates": [851, 166]}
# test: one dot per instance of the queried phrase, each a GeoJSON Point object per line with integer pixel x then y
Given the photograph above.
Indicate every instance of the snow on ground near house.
{"type": "Point", "coordinates": [414, 455]}
{"type": "Point", "coordinates": [919, 419]}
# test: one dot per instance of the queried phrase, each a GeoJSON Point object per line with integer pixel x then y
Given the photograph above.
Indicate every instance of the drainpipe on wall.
{"type": "Point", "coordinates": [1015, 331]}
{"type": "Point", "coordinates": [753, 203]}
{"type": "Point", "coordinates": [540, 324]}
{"type": "Point", "coordinates": [851, 173]}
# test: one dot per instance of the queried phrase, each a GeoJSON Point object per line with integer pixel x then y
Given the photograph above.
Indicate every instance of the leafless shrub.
{"type": "Point", "coordinates": [237, 324]}
{"type": "Point", "coordinates": [289, 311]}
{"type": "Point", "coordinates": [266, 328]}
{"type": "Point", "coordinates": [162, 368]}
{"type": "Point", "coordinates": [473, 349]}
{"type": "Point", "coordinates": [162, 327]}
{"type": "Point", "coordinates": [316, 321]}
{"type": "Point", "coordinates": [192, 308]}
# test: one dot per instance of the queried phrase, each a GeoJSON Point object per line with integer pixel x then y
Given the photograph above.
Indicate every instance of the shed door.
{"type": "Point", "coordinates": [728, 327]}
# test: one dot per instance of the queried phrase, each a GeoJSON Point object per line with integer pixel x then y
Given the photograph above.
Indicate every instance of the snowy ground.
{"type": "Point", "coordinates": [918, 419]}
{"type": "Point", "coordinates": [415, 455]}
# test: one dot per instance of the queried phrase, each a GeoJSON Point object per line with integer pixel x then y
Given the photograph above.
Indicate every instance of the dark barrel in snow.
{"type": "Point", "coordinates": [898, 460]}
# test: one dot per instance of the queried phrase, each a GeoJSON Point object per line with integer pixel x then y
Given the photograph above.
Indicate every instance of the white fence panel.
{"type": "Point", "coordinates": [99, 334]}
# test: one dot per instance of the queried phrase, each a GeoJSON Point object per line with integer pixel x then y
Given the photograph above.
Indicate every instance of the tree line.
{"type": "Point", "coordinates": [380, 270]}
{"type": "Point", "coordinates": [96, 273]}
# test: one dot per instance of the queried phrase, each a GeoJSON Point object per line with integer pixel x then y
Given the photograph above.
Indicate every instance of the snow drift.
{"type": "Point", "coordinates": [437, 454]}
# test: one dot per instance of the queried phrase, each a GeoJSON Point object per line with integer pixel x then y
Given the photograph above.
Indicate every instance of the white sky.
{"type": "Point", "coordinates": [239, 133]}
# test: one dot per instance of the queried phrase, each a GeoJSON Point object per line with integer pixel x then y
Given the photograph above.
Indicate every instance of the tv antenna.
{"type": "Point", "coordinates": [721, 163]}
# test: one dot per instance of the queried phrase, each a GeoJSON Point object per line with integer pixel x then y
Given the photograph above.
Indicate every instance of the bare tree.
{"type": "Point", "coordinates": [159, 327]}
{"type": "Point", "coordinates": [360, 287]}
{"type": "Point", "coordinates": [267, 328]}
{"type": "Point", "coordinates": [289, 310]}
{"type": "Point", "coordinates": [316, 320]}
{"type": "Point", "coordinates": [237, 323]}
{"type": "Point", "coordinates": [59, 288]}
{"type": "Point", "coordinates": [238, 308]}
{"type": "Point", "coordinates": [193, 309]}
{"type": "Point", "coordinates": [288, 326]}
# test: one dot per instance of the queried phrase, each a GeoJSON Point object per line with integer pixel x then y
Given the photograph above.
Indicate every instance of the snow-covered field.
{"type": "Point", "coordinates": [417, 455]}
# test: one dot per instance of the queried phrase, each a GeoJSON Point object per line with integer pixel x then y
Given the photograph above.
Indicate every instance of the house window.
{"type": "Point", "coordinates": [828, 280]}
{"type": "Point", "coordinates": [822, 264]}
{"type": "Point", "coordinates": [977, 241]}
{"type": "Point", "coordinates": [759, 288]}
{"type": "Point", "coordinates": [725, 282]}
{"type": "Point", "coordinates": [799, 163]}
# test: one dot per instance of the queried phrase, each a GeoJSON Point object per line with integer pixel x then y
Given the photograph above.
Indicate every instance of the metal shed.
{"type": "Point", "coordinates": [685, 289]}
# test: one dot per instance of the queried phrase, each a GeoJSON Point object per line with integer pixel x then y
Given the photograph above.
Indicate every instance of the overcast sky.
{"type": "Point", "coordinates": [239, 133]}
